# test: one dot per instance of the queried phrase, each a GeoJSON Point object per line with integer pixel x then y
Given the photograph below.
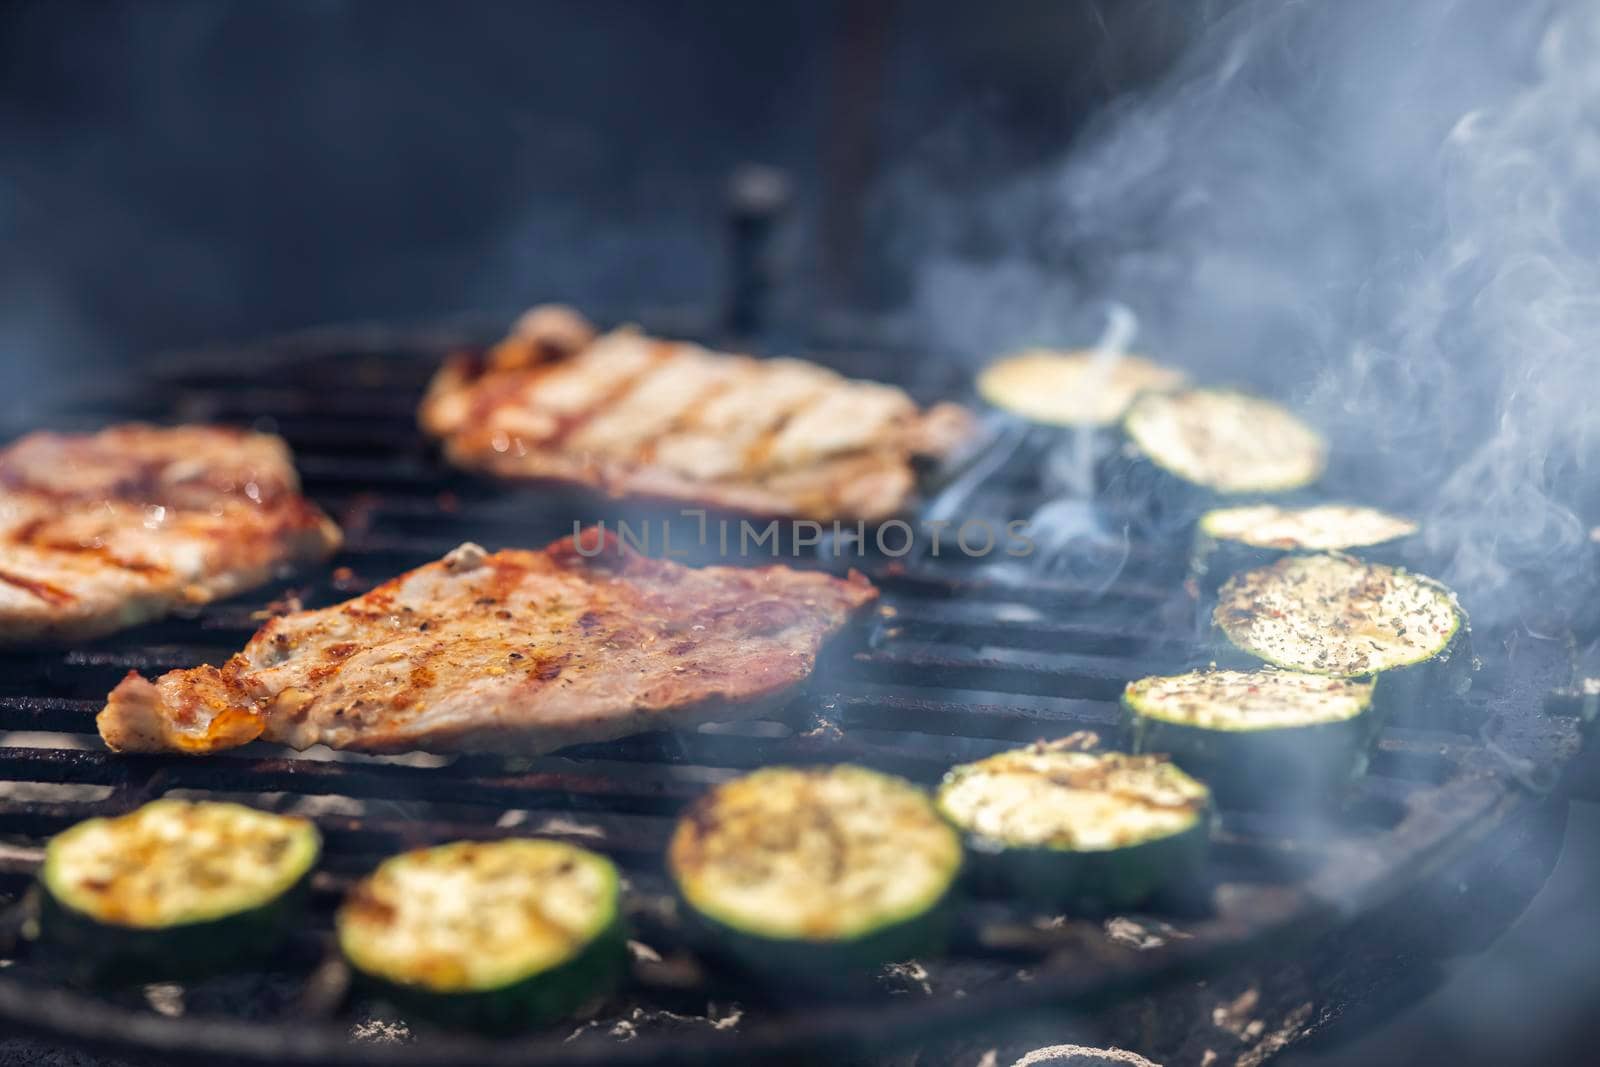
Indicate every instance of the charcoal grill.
{"type": "Point", "coordinates": [960, 664]}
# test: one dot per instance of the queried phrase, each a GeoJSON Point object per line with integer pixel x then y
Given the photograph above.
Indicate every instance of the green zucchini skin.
{"type": "Point", "coordinates": [100, 954]}
{"type": "Point", "coordinates": [1213, 560]}
{"type": "Point", "coordinates": [1286, 766]}
{"type": "Point", "coordinates": [822, 969]}
{"type": "Point", "coordinates": [514, 996]}
{"type": "Point", "coordinates": [1093, 883]}
{"type": "Point", "coordinates": [1161, 503]}
{"type": "Point", "coordinates": [1153, 501]}
{"type": "Point", "coordinates": [1092, 878]}
{"type": "Point", "coordinates": [1429, 694]}
{"type": "Point", "coordinates": [1163, 506]}
{"type": "Point", "coordinates": [815, 949]}
{"type": "Point", "coordinates": [154, 919]}
{"type": "Point", "coordinates": [537, 1000]}
{"type": "Point", "coordinates": [1432, 693]}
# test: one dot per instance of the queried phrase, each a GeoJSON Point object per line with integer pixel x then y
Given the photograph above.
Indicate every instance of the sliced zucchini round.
{"type": "Point", "coordinates": [1092, 831]}
{"type": "Point", "coordinates": [1073, 388]}
{"type": "Point", "coordinates": [806, 874]}
{"type": "Point", "coordinates": [1316, 528]}
{"type": "Point", "coordinates": [1260, 736]}
{"type": "Point", "coordinates": [1240, 538]}
{"type": "Point", "coordinates": [174, 889]}
{"type": "Point", "coordinates": [492, 935]}
{"type": "Point", "coordinates": [1184, 452]}
{"type": "Point", "coordinates": [1226, 441]}
{"type": "Point", "coordinates": [1340, 617]}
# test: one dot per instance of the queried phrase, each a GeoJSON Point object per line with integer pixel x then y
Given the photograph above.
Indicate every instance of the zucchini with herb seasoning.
{"type": "Point", "coordinates": [1257, 737]}
{"type": "Point", "coordinates": [1337, 616]}
{"type": "Point", "coordinates": [489, 935]}
{"type": "Point", "coordinates": [1229, 540]}
{"type": "Point", "coordinates": [809, 875]}
{"type": "Point", "coordinates": [1187, 451]}
{"type": "Point", "coordinates": [1233, 539]}
{"type": "Point", "coordinates": [1083, 830]}
{"type": "Point", "coordinates": [174, 889]}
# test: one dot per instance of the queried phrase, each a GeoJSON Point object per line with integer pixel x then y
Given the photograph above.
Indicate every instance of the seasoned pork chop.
{"type": "Point", "coordinates": [510, 651]}
{"type": "Point", "coordinates": [107, 530]}
{"type": "Point", "coordinates": [631, 415]}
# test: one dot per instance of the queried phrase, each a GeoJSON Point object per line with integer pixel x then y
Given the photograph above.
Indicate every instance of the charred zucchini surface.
{"type": "Point", "coordinates": [496, 934]}
{"type": "Point", "coordinates": [1247, 701]}
{"type": "Point", "coordinates": [1072, 388]}
{"type": "Point", "coordinates": [1317, 528]}
{"type": "Point", "coordinates": [812, 869]}
{"type": "Point", "coordinates": [1078, 828]}
{"type": "Point", "coordinates": [174, 888]}
{"type": "Point", "coordinates": [1225, 441]}
{"type": "Point", "coordinates": [1337, 616]}
{"type": "Point", "coordinates": [1257, 736]}
{"type": "Point", "coordinates": [174, 863]}
{"type": "Point", "coordinates": [1233, 539]}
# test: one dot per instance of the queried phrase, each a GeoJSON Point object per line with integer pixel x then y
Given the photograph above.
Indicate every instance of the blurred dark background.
{"type": "Point", "coordinates": [181, 171]}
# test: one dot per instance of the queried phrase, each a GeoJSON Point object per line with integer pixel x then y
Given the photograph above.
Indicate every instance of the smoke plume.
{"type": "Point", "coordinates": [1385, 215]}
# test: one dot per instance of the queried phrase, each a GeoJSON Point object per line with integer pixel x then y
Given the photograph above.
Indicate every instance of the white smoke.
{"type": "Point", "coordinates": [1385, 214]}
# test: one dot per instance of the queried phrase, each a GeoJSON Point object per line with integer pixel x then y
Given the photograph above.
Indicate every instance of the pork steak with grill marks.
{"type": "Point", "coordinates": [103, 531]}
{"type": "Point", "coordinates": [512, 651]}
{"type": "Point", "coordinates": [631, 415]}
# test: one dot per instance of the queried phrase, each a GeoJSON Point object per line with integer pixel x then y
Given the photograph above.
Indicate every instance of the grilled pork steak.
{"type": "Point", "coordinates": [510, 651]}
{"type": "Point", "coordinates": [631, 415]}
{"type": "Point", "coordinates": [107, 530]}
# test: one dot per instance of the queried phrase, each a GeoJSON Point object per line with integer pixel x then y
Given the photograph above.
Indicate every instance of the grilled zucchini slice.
{"type": "Point", "coordinates": [805, 875]}
{"type": "Point", "coordinates": [1072, 388]}
{"type": "Point", "coordinates": [1241, 538]}
{"type": "Point", "coordinates": [1085, 830]}
{"type": "Point", "coordinates": [1341, 617]}
{"type": "Point", "coordinates": [1072, 401]}
{"type": "Point", "coordinates": [1259, 736]}
{"type": "Point", "coordinates": [1233, 539]}
{"type": "Point", "coordinates": [491, 935]}
{"type": "Point", "coordinates": [174, 889]}
{"type": "Point", "coordinates": [1187, 451]}
{"type": "Point", "coordinates": [1317, 528]}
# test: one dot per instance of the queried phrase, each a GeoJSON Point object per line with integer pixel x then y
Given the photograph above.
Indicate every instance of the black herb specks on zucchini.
{"type": "Point", "coordinates": [1340, 617]}
{"type": "Point", "coordinates": [1073, 388]}
{"type": "Point", "coordinates": [174, 889]}
{"type": "Point", "coordinates": [1257, 737]}
{"type": "Point", "coordinates": [801, 874]}
{"type": "Point", "coordinates": [1086, 830]}
{"type": "Point", "coordinates": [491, 935]}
